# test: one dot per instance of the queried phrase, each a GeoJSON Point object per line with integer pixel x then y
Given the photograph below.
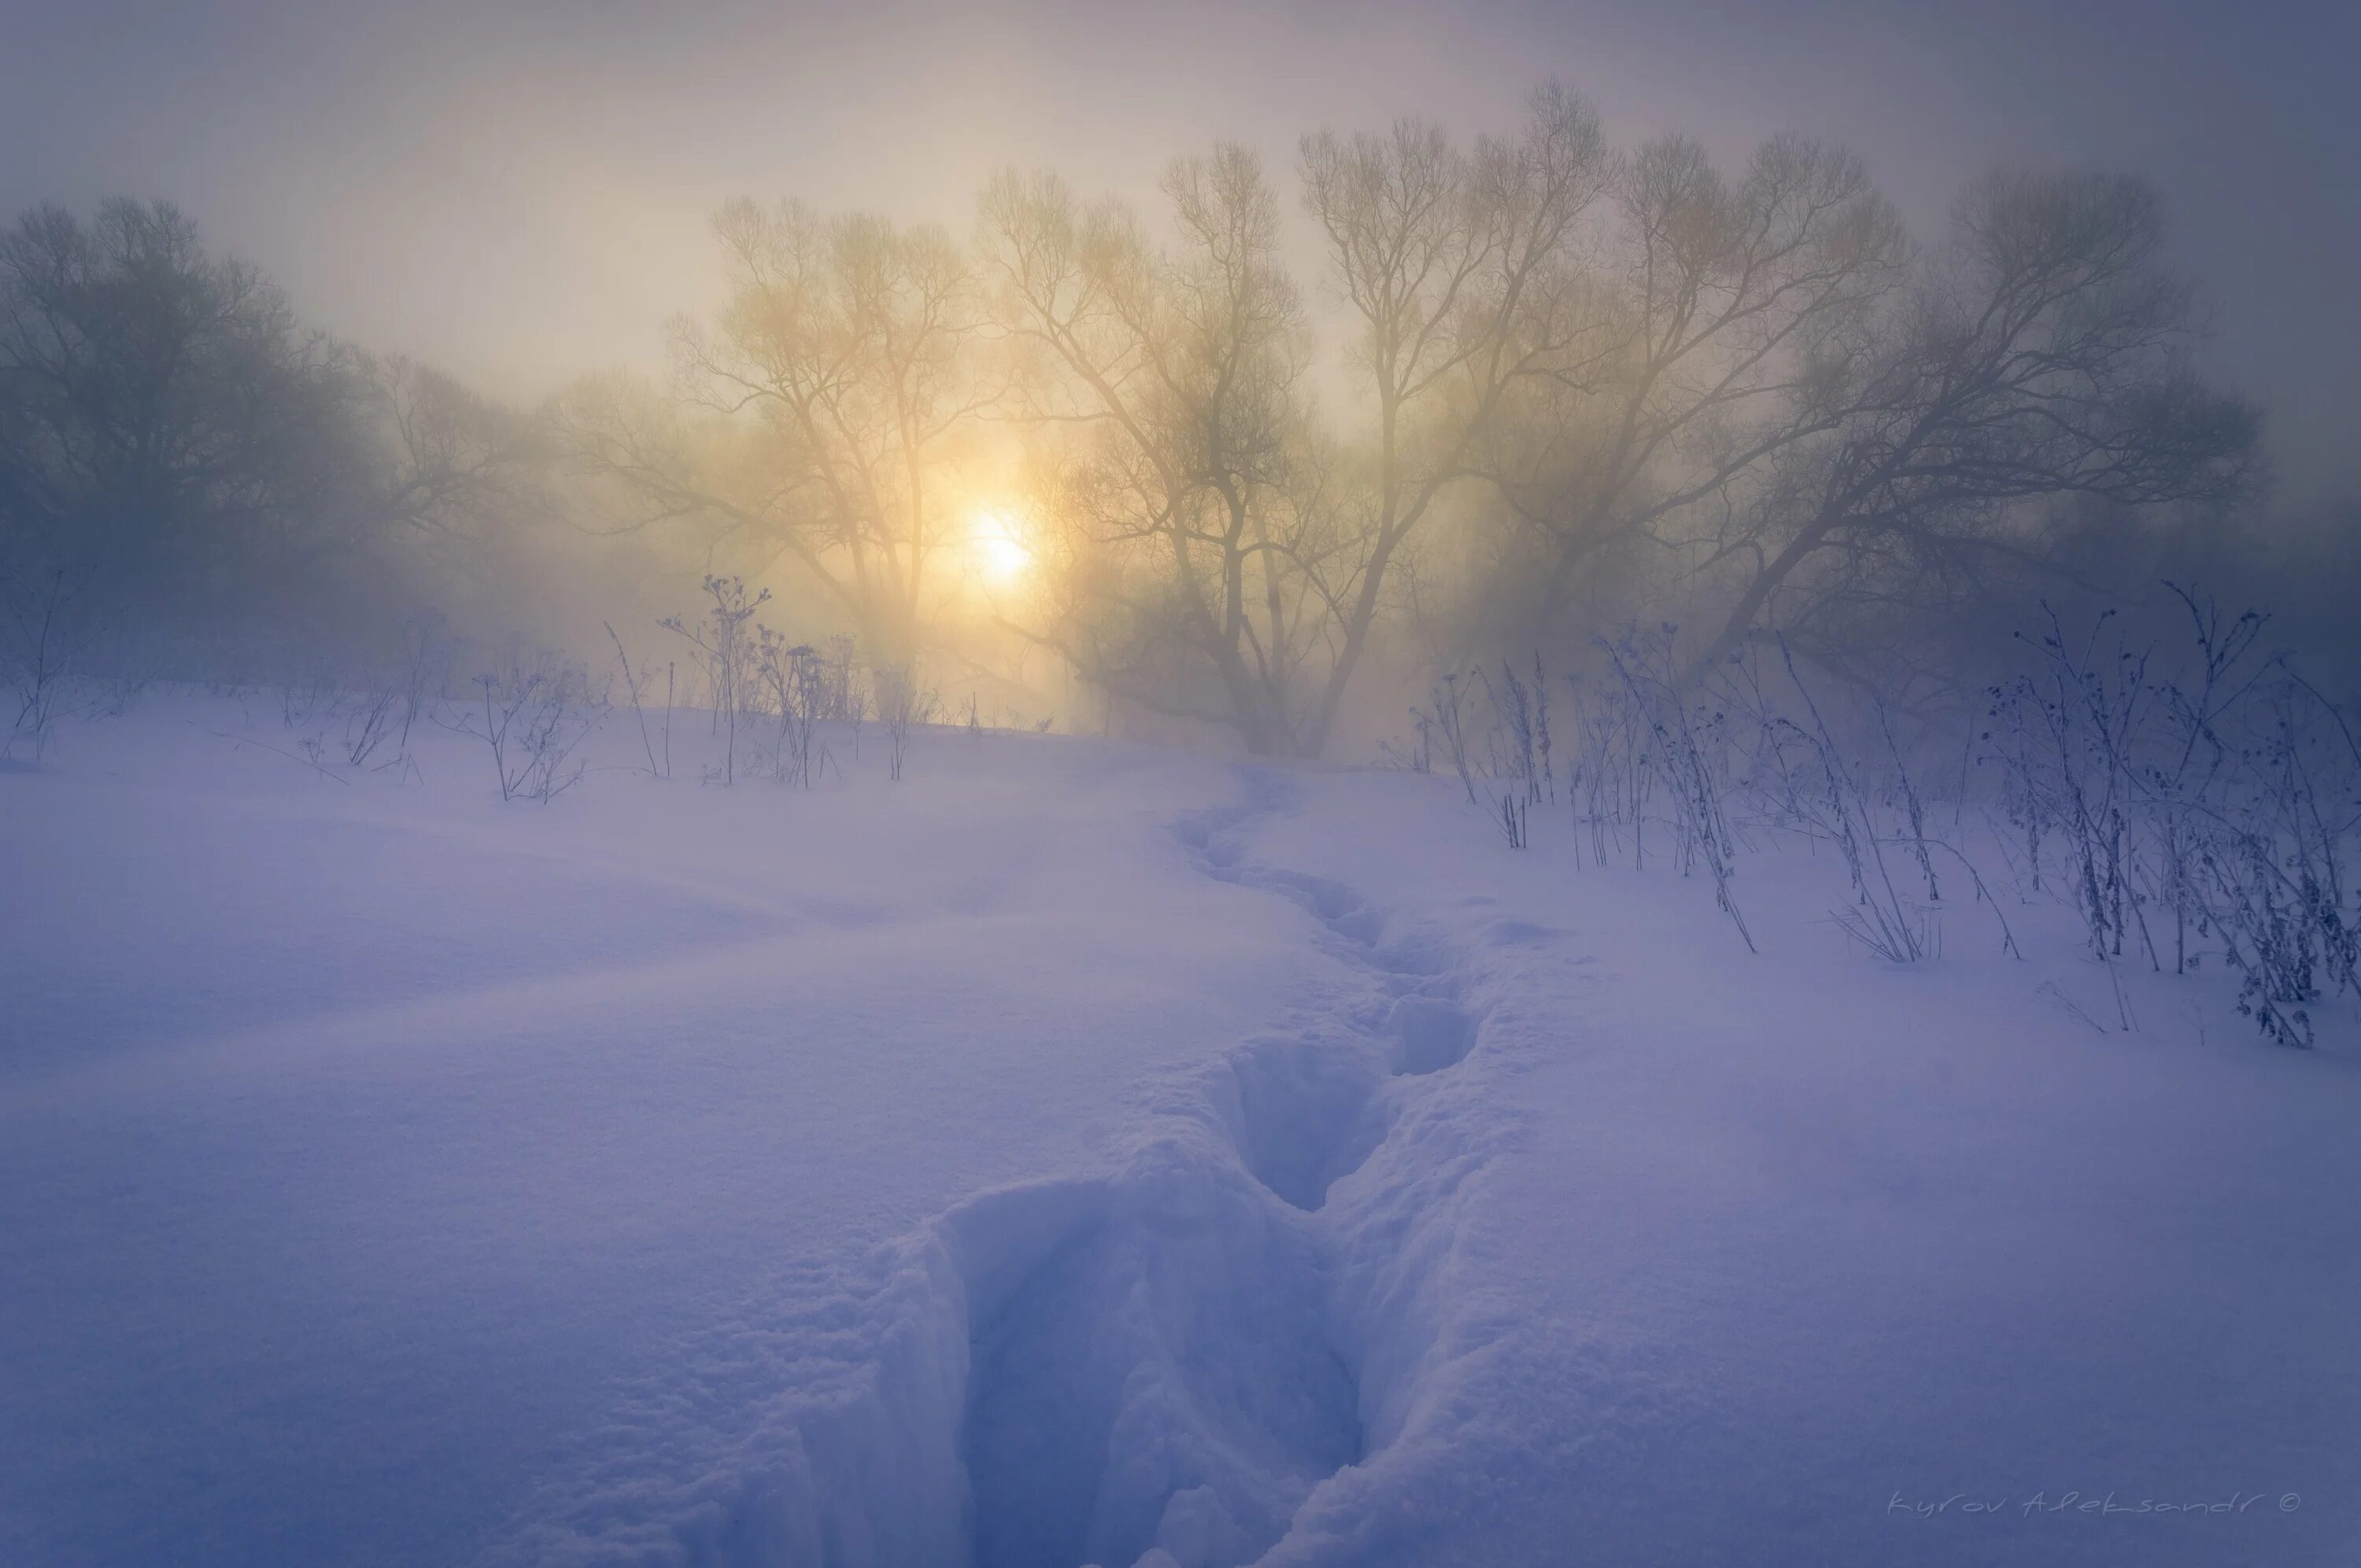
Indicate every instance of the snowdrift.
{"type": "Point", "coordinates": [1080, 1153]}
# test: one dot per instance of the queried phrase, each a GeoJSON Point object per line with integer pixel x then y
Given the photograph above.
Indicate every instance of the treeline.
{"type": "Point", "coordinates": [177, 448]}
{"type": "Point", "coordinates": [1536, 387]}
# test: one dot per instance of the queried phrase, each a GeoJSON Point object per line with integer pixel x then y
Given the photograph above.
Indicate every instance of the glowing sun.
{"type": "Point", "coordinates": [998, 540]}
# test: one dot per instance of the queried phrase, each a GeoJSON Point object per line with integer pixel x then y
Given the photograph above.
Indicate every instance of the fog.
{"type": "Point", "coordinates": [524, 198]}
{"type": "Point", "coordinates": [514, 192]}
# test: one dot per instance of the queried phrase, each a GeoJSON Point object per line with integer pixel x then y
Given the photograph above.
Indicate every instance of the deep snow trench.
{"type": "Point", "coordinates": [1151, 1366]}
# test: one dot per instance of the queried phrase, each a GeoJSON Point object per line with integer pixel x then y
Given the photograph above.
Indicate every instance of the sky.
{"type": "Point", "coordinates": [519, 192]}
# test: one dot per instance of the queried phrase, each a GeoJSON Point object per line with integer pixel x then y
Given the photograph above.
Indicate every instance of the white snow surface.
{"type": "Point", "coordinates": [1079, 1153]}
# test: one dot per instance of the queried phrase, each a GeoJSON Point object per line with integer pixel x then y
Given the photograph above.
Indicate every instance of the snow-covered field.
{"type": "Point", "coordinates": [1080, 1153]}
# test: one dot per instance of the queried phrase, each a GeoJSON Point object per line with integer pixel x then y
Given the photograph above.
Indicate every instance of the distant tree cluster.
{"type": "Point", "coordinates": [1754, 391]}
{"type": "Point", "coordinates": [175, 446]}
{"type": "Point", "coordinates": [1540, 385]}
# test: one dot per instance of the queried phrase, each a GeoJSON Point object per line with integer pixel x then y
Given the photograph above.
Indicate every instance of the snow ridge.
{"type": "Point", "coordinates": [1160, 1364]}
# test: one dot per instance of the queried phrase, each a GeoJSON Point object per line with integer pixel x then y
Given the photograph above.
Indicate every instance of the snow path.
{"type": "Point", "coordinates": [1159, 1364]}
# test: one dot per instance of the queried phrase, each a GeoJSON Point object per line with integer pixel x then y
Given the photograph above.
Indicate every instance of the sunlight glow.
{"type": "Point", "coordinates": [999, 544]}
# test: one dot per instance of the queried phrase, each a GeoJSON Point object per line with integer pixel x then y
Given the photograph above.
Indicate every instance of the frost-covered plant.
{"type": "Point", "coordinates": [1607, 773]}
{"type": "Point", "coordinates": [373, 716]}
{"type": "Point", "coordinates": [634, 681]}
{"type": "Point", "coordinates": [2219, 787]}
{"type": "Point", "coordinates": [1880, 917]}
{"type": "Point", "coordinates": [1512, 818]}
{"type": "Point", "coordinates": [2086, 703]}
{"type": "Point", "coordinates": [1519, 731]}
{"type": "Point", "coordinates": [2197, 801]}
{"type": "Point", "coordinates": [533, 718]}
{"type": "Point", "coordinates": [727, 650]}
{"type": "Point", "coordinates": [849, 699]}
{"type": "Point", "coordinates": [902, 704]}
{"type": "Point", "coordinates": [1418, 756]}
{"type": "Point", "coordinates": [802, 687]}
{"type": "Point", "coordinates": [304, 693]}
{"type": "Point", "coordinates": [1447, 720]}
{"type": "Point", "coordinates": [382, 715]}
{"type": "Point", "coordinates": [841, 698]}
{"type": "Point", "coordinates": [43, 638]}
{"type": "Point", "coordinates": [1684, 744]}
{"type": "Point", "coordinates": [1914, 806]}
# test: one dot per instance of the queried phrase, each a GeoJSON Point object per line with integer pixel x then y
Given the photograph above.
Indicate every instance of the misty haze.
{"type": "Point", "coordinates": [1036, 785]}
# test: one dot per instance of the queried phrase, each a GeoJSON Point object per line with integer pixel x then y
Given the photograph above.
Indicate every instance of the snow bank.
{"type": "Point", "coordinates": [1088, 1155]}
{"type": "Point", "coordinates": [1803, 1258]}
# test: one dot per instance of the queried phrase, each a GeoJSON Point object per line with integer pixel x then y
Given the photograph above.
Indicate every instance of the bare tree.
{"type": "Point", "coordinates": [451, 459]}
{"type": "Point", "coordinates": [1193, 499]}
{"type": "Point", "coordinates": [820, 407]}
{"type": "Point", "coordinates": [1457, 269]}
{"type": "Point", "coordinates": [2043, 355]}
{"type": "Point", "coordinates": [1710, 326]}
{"type": "Point", "coordinates": [171, 437]}
{"type": "Point", "coordinates": [1231, 541]}
{"type": "Point", "coordinates": [167, 424]}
